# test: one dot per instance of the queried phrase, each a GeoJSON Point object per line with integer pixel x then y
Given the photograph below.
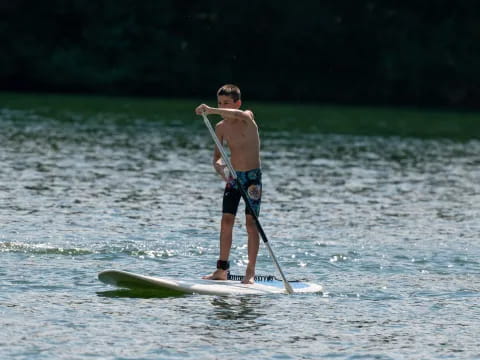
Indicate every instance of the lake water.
{"type": "Point", "coordinates": [388, 225]}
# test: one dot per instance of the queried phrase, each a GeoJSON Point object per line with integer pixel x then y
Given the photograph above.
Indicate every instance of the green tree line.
{"type": "Point", "coordinates": [424, 53]}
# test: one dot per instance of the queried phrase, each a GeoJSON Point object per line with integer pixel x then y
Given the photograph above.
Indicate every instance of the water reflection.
{"type": "Point", "coordinates": [138, 294]}
{"type": "Point", "coordinates": [242, 313]}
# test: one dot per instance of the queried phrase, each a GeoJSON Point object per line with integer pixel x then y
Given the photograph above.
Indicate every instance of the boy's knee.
{"type": "Point", "coordinates": [250, 222]}
{"type": "Point", "coordinates": [228, 219]}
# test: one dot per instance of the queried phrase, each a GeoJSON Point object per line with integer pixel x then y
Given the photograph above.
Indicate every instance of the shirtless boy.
{"type": "Point", "coordinates": [240, 132]}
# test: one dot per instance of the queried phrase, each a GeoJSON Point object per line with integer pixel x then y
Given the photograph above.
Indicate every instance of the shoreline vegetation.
{"type": "Point", "coordinates": [272, 116]}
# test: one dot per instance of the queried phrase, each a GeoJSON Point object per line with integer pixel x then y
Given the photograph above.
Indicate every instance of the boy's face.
{"type": "Point", "coordinates": [226, 102]}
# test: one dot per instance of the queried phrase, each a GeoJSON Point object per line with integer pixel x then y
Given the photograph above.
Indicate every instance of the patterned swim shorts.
{"type": "Point", "coordinates": [251, 181]}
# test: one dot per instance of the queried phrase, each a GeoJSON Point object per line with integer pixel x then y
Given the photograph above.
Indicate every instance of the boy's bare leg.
{"type": "Point", "coordinates": [253, 245]}
{"type": "Point", "coordinates": [226, 230]}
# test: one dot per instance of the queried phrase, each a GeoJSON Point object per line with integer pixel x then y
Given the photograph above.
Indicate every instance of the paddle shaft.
{"type": "Point", "coordinates": [225, 158]}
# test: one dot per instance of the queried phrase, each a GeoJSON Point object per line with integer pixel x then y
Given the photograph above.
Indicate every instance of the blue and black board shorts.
{"type": "Point", "coordinates": [251, 181]}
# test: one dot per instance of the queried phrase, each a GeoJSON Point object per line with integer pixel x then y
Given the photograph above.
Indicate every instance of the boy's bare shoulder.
{"type": "Point", "coordinates": [251, 117]}
{"type": "Point", "coordinates": [250, 113]}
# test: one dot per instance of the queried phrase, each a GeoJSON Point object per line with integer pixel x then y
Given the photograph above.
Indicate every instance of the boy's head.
{"type": "Point", "coordinates": [229, 96]}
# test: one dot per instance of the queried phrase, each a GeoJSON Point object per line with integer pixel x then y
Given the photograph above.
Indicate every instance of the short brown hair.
{"type": "Point", "coordinates": [230, 90]}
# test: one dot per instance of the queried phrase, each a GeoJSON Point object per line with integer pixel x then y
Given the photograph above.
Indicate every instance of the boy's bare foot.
{"type": "Point", "coordinates": [249, 276]}
{"type": "Point", "coordinates": [218, 274]}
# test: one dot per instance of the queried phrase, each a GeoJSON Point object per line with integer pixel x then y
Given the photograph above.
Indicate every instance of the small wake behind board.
{"type": "Point", "coordinates": [124, 279]}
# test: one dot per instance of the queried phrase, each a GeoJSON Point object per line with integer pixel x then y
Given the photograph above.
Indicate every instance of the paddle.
{"type": "Point", "coordinates": [288, 287]}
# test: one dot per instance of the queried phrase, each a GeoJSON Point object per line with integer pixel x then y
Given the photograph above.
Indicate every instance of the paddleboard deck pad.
{"type": "Point", "coordinates": [124, 279]}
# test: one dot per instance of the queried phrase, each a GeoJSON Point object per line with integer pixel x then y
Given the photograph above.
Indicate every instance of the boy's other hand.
{"type": "Point", "coordinates": [222, 170]}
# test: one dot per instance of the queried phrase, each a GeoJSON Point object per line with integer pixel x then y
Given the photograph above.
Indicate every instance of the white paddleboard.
{"type": "Point", "coordinates": [124, 279]}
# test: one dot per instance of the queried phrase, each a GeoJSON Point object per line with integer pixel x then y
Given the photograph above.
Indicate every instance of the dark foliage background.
{"type": "Point", "coordinates": [421, 53]}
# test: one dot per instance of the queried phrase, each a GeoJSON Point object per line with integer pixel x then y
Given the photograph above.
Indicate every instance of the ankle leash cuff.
{"type": "Point", "coordinates": [224, 265]}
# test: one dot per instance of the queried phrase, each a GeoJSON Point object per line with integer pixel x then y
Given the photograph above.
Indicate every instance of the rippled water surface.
{"type": "Point", "coordinates": [389, 226]}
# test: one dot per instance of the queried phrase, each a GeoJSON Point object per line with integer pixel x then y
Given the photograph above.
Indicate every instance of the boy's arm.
{"type": "Point", "coordinates": [226, 113]}
{"type": "Point", "coordinates": [232, 114]}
